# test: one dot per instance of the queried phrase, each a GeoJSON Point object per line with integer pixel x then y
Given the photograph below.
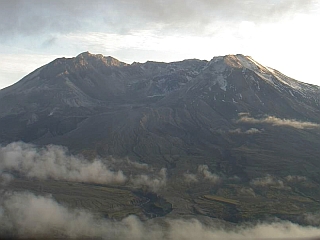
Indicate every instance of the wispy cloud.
{"type": "Point", "coordinates": [204, 171]}
{"type": "Point", "coordinates": [295, 178]}
{"type": "Point", "coordinates": [268, 181]}
{"type": "Point", "coordinates": [153, 181]}
{"type": "Point", "coordinates": [190, 177]}
{"type": "Point", "coordinates": [312, 218]}
{"type": "Point", "coordinates": [247, 191]}
{"type": "Point", "coordinates": [274, 121]}
{"type": "Point", "coordinates": [142, 166]}
{"type": "Point", "coordinates": [249, 131]}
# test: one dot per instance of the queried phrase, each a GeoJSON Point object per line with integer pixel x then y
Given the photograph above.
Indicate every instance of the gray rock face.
{"type": "Point", "coordinates": [230, 113]}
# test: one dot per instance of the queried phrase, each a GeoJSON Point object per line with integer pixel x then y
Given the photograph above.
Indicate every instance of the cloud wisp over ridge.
{"type": "Point", "coordinates": [274, 121]}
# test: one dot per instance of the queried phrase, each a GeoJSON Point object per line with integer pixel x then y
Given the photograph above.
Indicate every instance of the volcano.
{"type": "Point", "coordinates": [247, 123]}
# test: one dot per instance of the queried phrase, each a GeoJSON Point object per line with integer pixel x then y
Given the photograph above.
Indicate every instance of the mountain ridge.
{"type": "Point", "coordinates": [243, 128]}
{"type": "Point", "coordinates": [54, 100]}
{"type": "Point", "coordinates": [91, 80]}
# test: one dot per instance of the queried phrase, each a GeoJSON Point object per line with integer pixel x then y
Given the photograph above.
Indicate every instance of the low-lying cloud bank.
{"type": "Point", "coordinates": [25, 215]}
{"type": "Point", "coordinates": [29, 216]}
{"type": "Point", "coordinates": [54, 162]}
{"type": "Point", "coordinates": [274, 121]}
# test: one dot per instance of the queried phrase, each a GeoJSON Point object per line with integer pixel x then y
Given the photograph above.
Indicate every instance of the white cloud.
{"type": "Point", "coordinates": [248, 191]}
{"type": "Point", "coordinates": [268, 181]}
{"type": "Point", "coordinates": [274, 121]}
{"type": "Point", "coordinates": [190, 177]}
{"type": "Point", "coordinates": [154, 182]}
{"type": "Point", "coordinates": [54, 162]}
{"type": "Point", "coordinates": [295, 178]}
{"type": "Point", "coordinates": [249, 131]}
{"type": "Point", "coordinates": [204, 171]}
{"type": "Point", "coordinates": [30, 216]}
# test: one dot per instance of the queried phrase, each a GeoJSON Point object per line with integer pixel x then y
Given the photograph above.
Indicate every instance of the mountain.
{"type": "Point", "coordinates": [248, 123]}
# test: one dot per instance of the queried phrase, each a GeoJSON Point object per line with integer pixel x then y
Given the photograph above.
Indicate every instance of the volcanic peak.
{"type": "Point", "coordinates": [87, 57]}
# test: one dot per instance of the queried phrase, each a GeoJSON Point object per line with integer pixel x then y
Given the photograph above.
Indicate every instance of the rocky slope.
{"type": "Point", "coordinates": [242, 120]}
{"type": "Point", "coordinates": [161, 112]}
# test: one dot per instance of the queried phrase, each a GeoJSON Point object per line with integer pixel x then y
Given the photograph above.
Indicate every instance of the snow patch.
{"type": "Point", "coordinates": [222, 82]}
{"type": "Point", "coordinates": [247, 62]}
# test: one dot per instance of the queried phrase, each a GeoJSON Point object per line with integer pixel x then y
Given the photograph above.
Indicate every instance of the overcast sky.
{"type": "Point", "coordinates": [281, 34]}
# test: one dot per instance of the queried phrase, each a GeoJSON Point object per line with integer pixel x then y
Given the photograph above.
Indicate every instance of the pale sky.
{"type": "Point", "coordinates": [282, 34]}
